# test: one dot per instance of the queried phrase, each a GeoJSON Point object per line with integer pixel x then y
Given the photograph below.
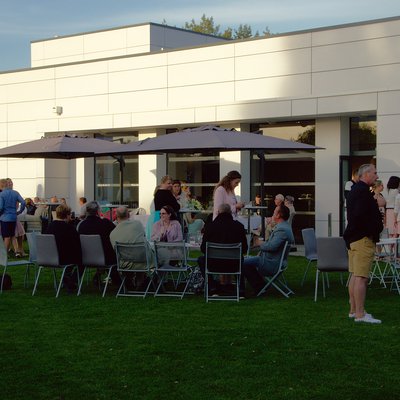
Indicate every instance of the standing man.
{"type": "Point", "coordinates": [9, 201]}
{"type": "Point", "coordinates": [364, 225]}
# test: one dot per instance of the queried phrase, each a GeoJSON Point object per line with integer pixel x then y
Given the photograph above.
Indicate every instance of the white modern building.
{"type": "Point", "coordinates": [337, 87]}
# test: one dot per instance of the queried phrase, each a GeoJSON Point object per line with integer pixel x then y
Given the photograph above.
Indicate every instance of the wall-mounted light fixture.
{"type": "Point", "coordinates": [57, 110]}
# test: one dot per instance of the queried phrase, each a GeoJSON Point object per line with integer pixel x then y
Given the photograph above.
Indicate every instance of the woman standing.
{"type": "Point", "coordinates": [163, 196]}
{"type": "Point", "coordinates": [167, 229]}
{"type": "Point", "coordinates": [224, 193]}
{"type": "Point", "coordinates": [392, 190]}
{"type": "Point", "coordinates": [378, 196]}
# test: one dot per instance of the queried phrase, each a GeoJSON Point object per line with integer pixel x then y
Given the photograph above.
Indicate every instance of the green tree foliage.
{"type": "Point", "coordinates": [307, 137]}
{"type": "Point", "coordinates": [207, 25]}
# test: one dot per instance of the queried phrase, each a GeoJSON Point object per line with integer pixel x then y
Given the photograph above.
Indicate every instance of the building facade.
{"type": "Point", "coordinates": [337, 87]}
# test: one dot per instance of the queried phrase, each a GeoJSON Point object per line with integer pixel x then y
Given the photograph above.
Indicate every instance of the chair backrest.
{"type": "Point", "coordinates": [46, 250]}
{"type": "Point", "coordinates": [170, 253]}
{"type": "Point", "coordinates": [284, 257]}
{"type": "Point", "coordinates": [92, 251]}
{"type": "Point", "coordinates": [310, 243]}
{"type": "Point", "coordinates": [332, 254]}
{"type": "Point", "coordinates": [3, 253]}
{"type": "Point", "coordinates": [228, 254]}
{"type": "Point", "coordinates": [133, 256]}
{"type": "Point", "coordinates": [31, 237]}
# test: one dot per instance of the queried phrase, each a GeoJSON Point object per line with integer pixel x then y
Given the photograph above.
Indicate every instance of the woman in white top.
{"type": "Point", "coordinates": [224, 193]}
{"type": "Point", "coordinates": [392, 190]}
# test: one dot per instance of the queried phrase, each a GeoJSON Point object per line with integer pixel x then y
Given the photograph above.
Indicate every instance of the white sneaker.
{"type": "Point", "coordinates": [369, 319]}
{"type": "Point", "coordinates": [353, 315]}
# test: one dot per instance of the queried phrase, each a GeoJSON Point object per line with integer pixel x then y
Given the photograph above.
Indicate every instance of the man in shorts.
{"type": "Point", "coordinates": [364, 225]}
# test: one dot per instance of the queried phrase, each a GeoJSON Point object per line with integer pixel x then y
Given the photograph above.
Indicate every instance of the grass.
{"type": "Point", "coordinates": [88, 347]}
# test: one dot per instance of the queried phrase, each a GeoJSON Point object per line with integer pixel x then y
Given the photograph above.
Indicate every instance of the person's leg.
{"type": "Point", "coordinates": [360, 291]}
{"type": "Point", "coordinates": [250, 272]}
{"type": "Point", "coordinates": [351, 295]}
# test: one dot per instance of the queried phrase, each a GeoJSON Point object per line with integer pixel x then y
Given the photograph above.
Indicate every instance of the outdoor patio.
{"type": "Point", "coordinates": [267, 348]}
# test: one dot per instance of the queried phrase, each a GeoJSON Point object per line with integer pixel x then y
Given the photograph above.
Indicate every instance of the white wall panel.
{"type": "Point", "coordinates": [81, 86]}
{"type": "Point", "coordinates": [304, 107]}
{"type": "Point", "coordinates": [137, 62]}
{"type": "Point", "coordinates": [201, 72]}
{"type": "Point", "coordinates": [201, 95]}
{"type": "Point", "coordinates": [388, 160]}
{"type": "Point", "coordinates": [40, 74]}
{"type": "Point", "coordinates": [266, 88]}
{"type": "Point", "coordinates": [388, 129]}
{"type": "Point", "coordinates": [356, 54]}
{"type": "Point", "coordinates": [62, 47]}
{"type": "Point", "coordinates": [122, 120]}
{"type": "Point", "coordinates": [205, 114]}
{"type": "Point", "coordinates": [138, 79]}
{"type": "Point", "coordinates": [138, 101]}
{"type": "Point", "coordinates": [356, 80]}
{"type": "Point", "coordinates": [83, 106]}
{"type": "Point", "coordinates": [58, 60]}
{"type": "Point", "coordinates": [355, 33]}
{"type": "Point", "coordinates": [201, 54]}
{"type": "Point", "coordinates": [93, 68]}
{"type": "Point", "coordinates": [272, 44]}
{"type": "Point", "coordinates": [47, 125]}
{"type": "Point", "coordinates": [103, 41]}
{"type": "Point", "coordinates": [30, 110]}
{"type": "Point", "coordinates": [137, 36]}
{"type": "Point", "coordinates": [3, 113]}
{"type": "Point", "coordinates": [30, 91]}
{"type": "Point", "coordinates": [273, 64]}
{"type": "Point", "coordinates": [389, 102]}
{"type": "Point", "coordinates": [346, 104]}
{"type": "Point", "coordinates": [163, 118]}
{"type": "Point", "coordinates": [105, 54]}
{"type": "Point", "coordinates": [21, 131]}
{"type": "Point", "coordinates": [3, 132]}
{"type": "Point", "coordinates": [261, 110]}
{"type": "Point", "coordinates": [82, 123]}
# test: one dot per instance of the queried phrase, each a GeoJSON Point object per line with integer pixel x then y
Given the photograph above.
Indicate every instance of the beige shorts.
{"type": "Point", "coordinates": [361, 257]}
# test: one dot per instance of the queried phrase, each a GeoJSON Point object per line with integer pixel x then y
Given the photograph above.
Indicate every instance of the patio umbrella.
{"type": "Point", "coordinates": [60, 147]}
{"type": "Point", "coordinates": [212, 138]}
{"type": "Point", "coordinates": [64, 147]}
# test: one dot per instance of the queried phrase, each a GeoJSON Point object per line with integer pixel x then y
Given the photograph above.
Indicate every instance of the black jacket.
{"type": "Point", "coordinates": [363, 216]}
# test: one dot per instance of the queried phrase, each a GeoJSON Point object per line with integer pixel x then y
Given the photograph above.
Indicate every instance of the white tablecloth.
{"type": "Point", "coordinates": [255, 221]}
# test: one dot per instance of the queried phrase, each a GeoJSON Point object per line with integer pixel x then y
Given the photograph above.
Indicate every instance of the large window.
{"type": "Point", "coordinates": [289, 174]}
{"type": "Point", "coordinates": [108, 174]}
{"type": "Point", "coordinates": [199, 170]}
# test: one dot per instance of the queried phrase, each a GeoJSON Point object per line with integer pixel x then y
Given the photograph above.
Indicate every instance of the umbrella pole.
{"type": "Point", "coordinates": [121, 163]}
{"type": "Point", "coordinates": [260, 155]}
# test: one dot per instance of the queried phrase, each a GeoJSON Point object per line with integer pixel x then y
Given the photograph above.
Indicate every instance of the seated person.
{"type": "Point", "coordinates": [68, 244]}
{"type": "Point", "coordinates": [94, 225]}
{"type": "Point", "coordinates": [267, 263]}
{"type": "Point", "coordinates": [82, 204]}
{"type": "Point", "coordinates": [224, 229]}
{"type": "Point", "coordinates": [128, 231]}
{"type": "Point", "coordinates": [166, 229]}
{"type": "Point", "coordinates": [289, 200]}
{"type": "Point", "coordinates": [30, 206]}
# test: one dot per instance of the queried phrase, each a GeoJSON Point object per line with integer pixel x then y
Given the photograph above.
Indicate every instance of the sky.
{"type": "Point", "coordinates": [23, 21]}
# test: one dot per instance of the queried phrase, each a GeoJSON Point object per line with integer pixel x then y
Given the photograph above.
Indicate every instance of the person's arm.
{"type": "Point", "coordinates": [396, 208]}
{"type": "Point", "coordinates": [22, 204]}
{"type": "Point", "coordinates": [275, 242]}
{"type": "Point", "coordinates": [219, 196]}
{"type": "Point", "coordinates": [177, 232]}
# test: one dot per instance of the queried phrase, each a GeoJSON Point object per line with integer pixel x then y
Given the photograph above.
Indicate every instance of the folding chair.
{"type": "Point", "coordinates": [171, 261]}
{"type": "Point", "coordinates": [132, 259]}
{"type": "Point", "coordinates": [5, 264]}
{"type": "Point", "coordinates": [278, 280]}
{"type": "Point", "coordinates": [310, 248]}
{"type": "Point", "coordinates": [31, 238]}
{"type": "Point", "coordinates": [217, 256]}
{"type": "Point", "coordinates": [93, 257]}
{"type": "Point", "coordinates": [47, 257]}
{"type": "Point", "coordinates": [332, 257]}
{"type": "Point", "coordinates": [395, 267]}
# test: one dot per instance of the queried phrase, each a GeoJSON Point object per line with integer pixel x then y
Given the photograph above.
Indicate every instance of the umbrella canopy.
{"type": "Point", "coordinates": [210, 138]}
{"type": "Point", "coordinates": [60, 147]}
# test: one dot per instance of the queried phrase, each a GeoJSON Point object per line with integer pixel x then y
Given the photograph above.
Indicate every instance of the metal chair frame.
{"type": "Point", "coordinates": [278, 280]}
{"type": "Point", "coordinates": [222, 251]}
{"type": "Point", "coordinates": [310, 248]}
{"type": "Point", "coordinates": [180, 271]}
{"type": "Point", "coordinates": [93, 257]}
{"type": "Point", "coordinates": [128, 256]}
{"type": "Point", "coordinates": [47, 257]}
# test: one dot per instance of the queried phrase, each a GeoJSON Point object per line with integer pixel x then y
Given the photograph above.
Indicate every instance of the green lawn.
{"type": "Point", "coordinates": [88, 347]}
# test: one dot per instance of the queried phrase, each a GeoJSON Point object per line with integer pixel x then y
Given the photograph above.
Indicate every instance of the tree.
{"type": "Point", "coordinates": [208, 26]}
